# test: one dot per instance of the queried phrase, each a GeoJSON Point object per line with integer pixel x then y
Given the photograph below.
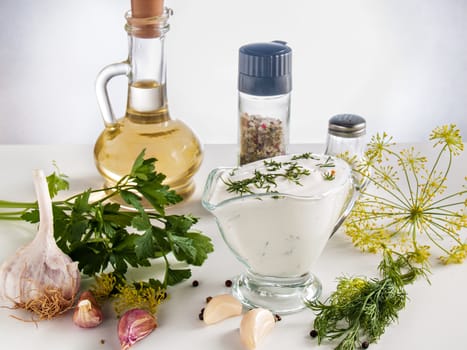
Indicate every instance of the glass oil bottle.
{"type": "Point", "coordinates": [146, 123]}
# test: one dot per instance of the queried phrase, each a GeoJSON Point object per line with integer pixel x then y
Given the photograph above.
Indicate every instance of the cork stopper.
{"type": "Point", "coordinates": [147, 18]}
{"type": "Point", "coordinates": [147, 8]}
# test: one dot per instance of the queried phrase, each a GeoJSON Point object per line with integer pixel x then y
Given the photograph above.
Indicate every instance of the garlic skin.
{"type": "Point", "coordinates": [134, 325]}
{"type": "Point", "coordinates": [88, 313]}
{"type": "Point", "coordinates": [255, 325]}
{"type": "Point", "coordinates": [40, 277]}
{"type": "Point", "coordinates": [221, 307]}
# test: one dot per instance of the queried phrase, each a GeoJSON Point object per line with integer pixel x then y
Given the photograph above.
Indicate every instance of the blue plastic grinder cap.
{"type": "Point", "coordinates": [265, 69]}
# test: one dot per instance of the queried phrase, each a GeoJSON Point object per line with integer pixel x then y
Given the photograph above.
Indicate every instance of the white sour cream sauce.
{"type": "Point", "coordinates": [282, 235]}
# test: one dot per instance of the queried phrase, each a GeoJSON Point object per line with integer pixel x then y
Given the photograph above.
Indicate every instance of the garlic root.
{"type": "Point", "coordinates": [40, 277]}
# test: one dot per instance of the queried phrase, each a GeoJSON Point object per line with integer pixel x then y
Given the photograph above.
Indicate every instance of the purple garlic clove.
{"type": "Point", "coordinates": [88, 313]}
{"type": "Point", "coordinates": [134, 325]}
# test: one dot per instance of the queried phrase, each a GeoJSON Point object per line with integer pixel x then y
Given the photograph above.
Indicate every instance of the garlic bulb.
{"type": "Point", "coordinates": [40, 277]}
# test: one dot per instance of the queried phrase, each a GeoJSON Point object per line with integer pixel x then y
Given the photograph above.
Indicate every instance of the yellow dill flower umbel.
{"type": "Point", "coordinates": [140, 296]}
{"type": "Point", "coordinates": [405, 204]}
{"type": "Point", "coordinates": [448, 136]}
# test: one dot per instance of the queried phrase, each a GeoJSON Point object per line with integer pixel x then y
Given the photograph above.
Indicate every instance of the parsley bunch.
{"type": "Point", "coordinates": [101, 235]}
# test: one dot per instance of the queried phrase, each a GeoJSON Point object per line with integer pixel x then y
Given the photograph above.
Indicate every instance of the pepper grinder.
{"type": "Point", "coordinates": [264, 85]}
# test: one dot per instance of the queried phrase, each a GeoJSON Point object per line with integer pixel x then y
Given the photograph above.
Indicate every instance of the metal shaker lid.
{"type": "Point", "coordinates": [347, 125]}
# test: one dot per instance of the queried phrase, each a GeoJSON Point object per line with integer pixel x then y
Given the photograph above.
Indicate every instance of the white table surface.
{"type": "Point", "coordinates": [435, 316]}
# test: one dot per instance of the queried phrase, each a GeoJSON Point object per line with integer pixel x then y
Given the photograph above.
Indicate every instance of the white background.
{"type": "Point", "coordinates": [402, 64]}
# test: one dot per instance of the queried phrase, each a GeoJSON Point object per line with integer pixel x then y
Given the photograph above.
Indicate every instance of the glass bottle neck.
{"type": "Point", "coordinates": [147, 94]}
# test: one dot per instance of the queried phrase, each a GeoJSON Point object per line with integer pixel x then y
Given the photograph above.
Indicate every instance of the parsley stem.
{"type": "Point", "coordinates": [15, 215]}
{"type": "Point", "coordinates": [166, 274]}
{"type": "Point", "coordinates": [10, 218]}
{"type": "Point", "coordinates": [20, 205]}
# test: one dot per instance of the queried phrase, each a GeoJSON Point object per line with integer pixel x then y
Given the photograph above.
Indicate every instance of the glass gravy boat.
{"type": "Point", "coordinates": [279, 235]}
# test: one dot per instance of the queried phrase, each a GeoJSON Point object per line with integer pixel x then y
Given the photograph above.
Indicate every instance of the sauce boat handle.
{"type": "Point", "coordinates": [356, 190]}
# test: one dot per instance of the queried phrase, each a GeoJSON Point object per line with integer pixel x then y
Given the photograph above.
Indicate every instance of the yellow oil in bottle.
{"type": "Point", "coordinates": [147, 125]}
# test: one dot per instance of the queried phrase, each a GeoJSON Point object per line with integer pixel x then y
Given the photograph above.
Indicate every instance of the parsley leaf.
{"type": "Point", "coordinates": [174, 276]}
{"type": "Point", "coordinates": [57, 182]}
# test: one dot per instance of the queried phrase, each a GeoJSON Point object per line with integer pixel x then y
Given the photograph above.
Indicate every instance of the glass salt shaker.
{"type": "Point", "coordinates": [346, 133]}
{"type": "Point", "coordinates": [264, 84]}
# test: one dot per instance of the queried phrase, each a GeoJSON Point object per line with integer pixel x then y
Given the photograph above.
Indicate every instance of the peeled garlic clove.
{"type": "Point", "coordinates": [88, 313]}
{"type": "Point", "coordinates": [221, 307]}
{"type": "Point", "coordinates": [134, 325]}
{"type": "Point", "coordinates": [255, 325]}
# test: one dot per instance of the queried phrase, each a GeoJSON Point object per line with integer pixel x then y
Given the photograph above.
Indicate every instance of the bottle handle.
{"type": "Point", "coordinates": [103, 101]}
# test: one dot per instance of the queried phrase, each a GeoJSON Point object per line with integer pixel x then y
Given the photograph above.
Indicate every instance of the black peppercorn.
{"type": "Point", "coordinates": [201, 314]}
{"type": "Point", "coordinates": [313, 333]}
{"type": "Point", "coordinates": [195, 283]}
{"type": "Point", "coordinates": [277, 317]}
{"type": "Point", "coordinates": [228, 283]}
{"type": "Point", "coordinates": [208, 299]}
{"type": "Point", "coordinates": [365, 345]}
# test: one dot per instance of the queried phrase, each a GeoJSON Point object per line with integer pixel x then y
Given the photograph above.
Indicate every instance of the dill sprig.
{"type": "Point", "coordinates": [360, 309]}
{"type": "Point", "coordinates": [266, 181]}
{"type": "Point", "coordinates": [307, 155]}
{"type": "Point", "coordinates": [329, 175]}
{"type": "Point", "coordinates": [327, 164]}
